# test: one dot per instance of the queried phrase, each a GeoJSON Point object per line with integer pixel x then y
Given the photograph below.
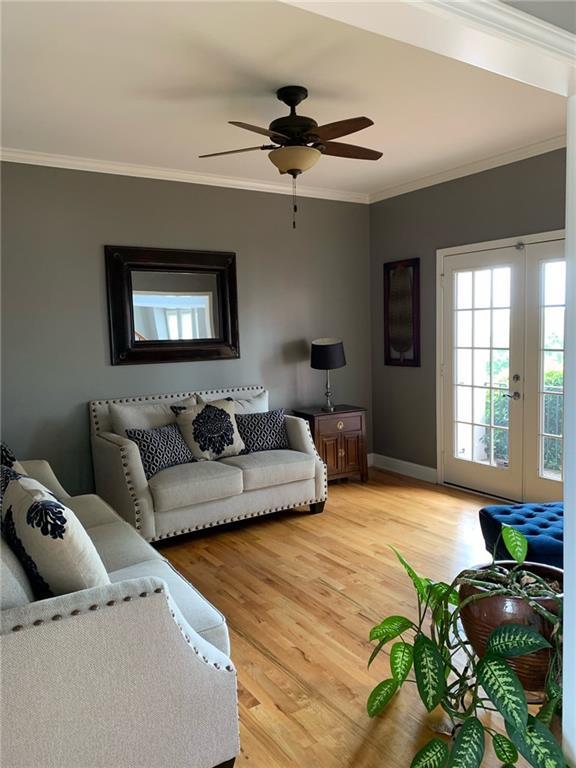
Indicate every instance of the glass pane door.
{"type": "Point", "coordinates": [544, 405]}
{"type": "Point", "coordinates": [483, 308]}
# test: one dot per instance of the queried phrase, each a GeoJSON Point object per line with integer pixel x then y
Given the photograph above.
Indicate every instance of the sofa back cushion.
{"type": "Point", "coordinates": [48, 539]}
{"type": "Point", "coordinates": [101, 420]}
{"type": "Point", "coordinates": [140, 416]}
{"type": "Point", "coordinates": [247, 404]}
{"type": "Point", "coordinates": [15, 587]}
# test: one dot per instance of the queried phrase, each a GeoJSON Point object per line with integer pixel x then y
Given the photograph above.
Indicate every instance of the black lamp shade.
{"type": "Point", "coordinates": [327, 354]}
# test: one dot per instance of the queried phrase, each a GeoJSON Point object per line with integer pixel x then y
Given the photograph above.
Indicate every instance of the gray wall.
{"type": "Point", "coordinates": [517, 199]}
{"type": "Point", "coordinates": [293, 286]}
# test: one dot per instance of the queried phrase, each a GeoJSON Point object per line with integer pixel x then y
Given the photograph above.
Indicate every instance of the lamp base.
{"type": "Point", "coordinates": [328, 408]}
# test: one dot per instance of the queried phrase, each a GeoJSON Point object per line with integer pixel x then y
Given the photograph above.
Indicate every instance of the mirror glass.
{"type": "Point", "coordinates": [175, 306]}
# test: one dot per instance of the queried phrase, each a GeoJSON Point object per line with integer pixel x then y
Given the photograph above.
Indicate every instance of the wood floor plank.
{"type": "Point", "coordinates": [300, 593]}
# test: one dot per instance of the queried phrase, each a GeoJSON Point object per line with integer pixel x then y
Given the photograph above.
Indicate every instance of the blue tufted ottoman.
{"type": "Point", "coordinates": [542, 524]}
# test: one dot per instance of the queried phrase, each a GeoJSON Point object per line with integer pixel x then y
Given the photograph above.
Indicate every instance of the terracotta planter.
{"type": "Point", "coordinates": [480, 617]}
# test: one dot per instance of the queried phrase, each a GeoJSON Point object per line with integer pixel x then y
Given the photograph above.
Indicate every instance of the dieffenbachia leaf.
{"type": "Point", "coordinates": [390, 628]}
{"type": "Point", "coordinates": [515, 640]}
{"type": "Point", "coordinates": [432, 755]}
{"type": "Point", "coordinates": [440, 592]}
{"type": "Point", "coordinates": [546, 712]}
{"type": "Point", "coordinates": [418, 581]}
{"type": "Point", "coordinates": [429, 671]}
{"type": "Point", "coordinates": [515, 542]}
{"type": "Point", "coordinates": [504, 689]}
{"type": "Point", "coordinates": [380, 696]}
{"type": "Point", "coordinates": [376, 651]}
{"type": "Point", "coordinates": [401, 657]}
{"type": "Point", "coordinates": [468, 749]}
{"type": "Point", "coordinates": [504, 749]}
{"type": "Point", "coordinates": [536, 744]}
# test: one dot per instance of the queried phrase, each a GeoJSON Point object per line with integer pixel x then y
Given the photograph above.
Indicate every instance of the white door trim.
{"type": "Point", "coordinates": [441, 254]}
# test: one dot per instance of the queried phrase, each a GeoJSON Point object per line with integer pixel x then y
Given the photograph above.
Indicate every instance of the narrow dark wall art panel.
{"type": "Point", "coordinates": [402, 312]}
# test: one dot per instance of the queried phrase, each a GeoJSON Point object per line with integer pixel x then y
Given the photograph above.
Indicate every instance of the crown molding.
{"type": "Point", "coordinates": [483, 33]}
{"type": "Point", "coordinates": [523, 153]}
{"type": "Point", "coordinates": [69, 162]}
{"type": "Point", "coordinates": [188, 177]}
{"type": "Point", "coordinates": [510, 22]}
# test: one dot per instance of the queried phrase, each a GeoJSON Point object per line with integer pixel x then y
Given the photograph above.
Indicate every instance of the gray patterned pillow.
{"type": "Point", "coordinates": [160, 448]}
{"type": "Point", "coordinates": [263, 431]}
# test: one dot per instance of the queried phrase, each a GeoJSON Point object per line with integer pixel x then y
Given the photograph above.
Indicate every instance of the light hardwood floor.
{"type": "Point", "coordinates": [300, 593]}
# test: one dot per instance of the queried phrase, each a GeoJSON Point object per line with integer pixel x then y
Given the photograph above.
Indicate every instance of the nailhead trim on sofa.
{"type": "Point", "coordinates": [127, 599]}
{"type": "Point", "coordinates": [129, 485]}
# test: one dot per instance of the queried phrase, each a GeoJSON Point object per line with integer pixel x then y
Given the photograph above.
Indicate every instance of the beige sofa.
{"type": "Point", "coordinates": [134, 674]}
{"type": "Point", "coordinates": [190, 497]}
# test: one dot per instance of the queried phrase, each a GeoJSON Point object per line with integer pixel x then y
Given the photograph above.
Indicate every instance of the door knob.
{"type": "Point", "coordinates": [513, 395]}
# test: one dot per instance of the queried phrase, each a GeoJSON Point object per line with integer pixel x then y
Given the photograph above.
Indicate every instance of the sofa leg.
{"type": "Point", "coordinates": [227, 764]}
{"type": "Point", "coordinates": [317, 507]}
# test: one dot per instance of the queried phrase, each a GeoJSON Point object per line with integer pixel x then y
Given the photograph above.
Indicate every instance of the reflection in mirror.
{"type": "Point", "coordinates": [175, 306]}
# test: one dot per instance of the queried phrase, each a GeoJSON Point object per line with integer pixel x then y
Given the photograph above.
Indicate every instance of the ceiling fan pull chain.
{"type": "Point", "coordinates": [294, 204]}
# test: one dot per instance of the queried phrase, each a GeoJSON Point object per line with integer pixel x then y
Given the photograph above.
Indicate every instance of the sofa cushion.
{"type": "Point", "coordinates": [143, 415]}
{"type": "Point", "coordinates": [48, 539]}
{"type": "Point", "coordinates": [198, 612]}
{"type": "Point", "coordinates": [15, 587]}
{"type": "Point", "coordinates": [263, 431]}
{"type": "Point", "coordinates": [269, 468]}
{"type": "Point", "coordinates": [189, 484]}
{"type": "Point", "coordinates": [120, 546]}
{"type": "Point", "coordinates": [91, 510]}
{"type": "Point", "coordinates": [210, 429]}
{"type": "Point", "coordinates": [160, 448]}
{"type": "Point", "coordinates": [256, 404]}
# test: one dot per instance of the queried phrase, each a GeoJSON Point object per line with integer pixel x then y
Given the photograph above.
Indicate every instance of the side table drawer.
{"type": "Point", "coordinates": [335, 423]}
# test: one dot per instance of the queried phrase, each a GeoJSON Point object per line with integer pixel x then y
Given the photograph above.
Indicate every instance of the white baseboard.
{"type": "Point", "coordinates": [418, 471]}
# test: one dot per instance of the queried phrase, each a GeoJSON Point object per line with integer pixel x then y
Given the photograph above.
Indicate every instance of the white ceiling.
{"type": "Point", "coordinates": [154, 84]}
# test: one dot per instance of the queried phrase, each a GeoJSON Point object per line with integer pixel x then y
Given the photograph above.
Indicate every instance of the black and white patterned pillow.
{"type": "Point", "coordinates": [263, 431]}
{"type": "Point", "coordinates": [160, 448]}
{"type": "Point", "coordinates": [48, 539]}
{"type": "Point", "coordinates": [7, 457]}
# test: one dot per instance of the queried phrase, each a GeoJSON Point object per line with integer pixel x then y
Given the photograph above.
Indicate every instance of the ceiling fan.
{"type": "Point", "coordinates": [299, 142]}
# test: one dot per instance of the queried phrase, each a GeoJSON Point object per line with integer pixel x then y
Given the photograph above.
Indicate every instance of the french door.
{"type": "Point", "coordinates": [501, 369]}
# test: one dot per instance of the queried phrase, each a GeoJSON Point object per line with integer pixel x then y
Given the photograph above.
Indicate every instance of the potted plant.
{"type": "Point", "coordinates": [468, 678]}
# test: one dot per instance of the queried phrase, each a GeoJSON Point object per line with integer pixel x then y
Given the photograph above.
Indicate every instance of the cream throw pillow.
{"type": "Point", "coordinates": [210, 429]}
{"type": "Point", "coordinates": [48, 539]}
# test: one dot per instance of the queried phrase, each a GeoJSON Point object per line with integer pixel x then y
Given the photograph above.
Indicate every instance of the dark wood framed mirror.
{"type": "Point", "coordinates": [168, 305]}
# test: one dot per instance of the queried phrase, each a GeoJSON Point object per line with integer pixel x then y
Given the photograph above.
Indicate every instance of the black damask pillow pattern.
{"type": "Point", "coordinates": [51, 544]}
{"type": "Point", "coordinates": [7, 457]}
{"type": "Point", "coordinates": [210, 430]}
{"type": "Point", "coordinates": [263, 431]}
{"type": "Point", "coordinates": [160, 448]}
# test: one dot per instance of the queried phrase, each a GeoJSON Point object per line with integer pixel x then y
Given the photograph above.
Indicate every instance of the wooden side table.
{"type": "Point", "coordinates": [340, 438]}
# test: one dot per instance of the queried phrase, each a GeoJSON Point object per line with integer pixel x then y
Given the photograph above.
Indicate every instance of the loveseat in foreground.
{"type": "Point", "coordinates": [132, 674]}
{"type": "Point", "coordinates": [189, 497]}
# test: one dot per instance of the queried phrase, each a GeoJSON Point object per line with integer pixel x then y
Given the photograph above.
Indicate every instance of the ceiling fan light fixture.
{"type": "Point", "coordinates": [294, 160]}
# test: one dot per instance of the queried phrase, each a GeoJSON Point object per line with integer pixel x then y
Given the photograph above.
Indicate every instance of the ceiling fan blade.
{"type": "Point", "coordinates": [341, 128]}
{"type": "Point", "coordinates": [257, 129]}
{"type": "Point", "coordinates": [338, 149]}
{"type": "Point", "coordinates": [235, 151]}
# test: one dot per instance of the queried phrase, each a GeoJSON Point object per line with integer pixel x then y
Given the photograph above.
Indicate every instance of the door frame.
{"type": "Point", "coordinates": [441, 254]}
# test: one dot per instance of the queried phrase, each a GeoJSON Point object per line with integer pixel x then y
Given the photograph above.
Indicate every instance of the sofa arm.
{"type": "Point", "coordinates": [120, 480]}
{"type": "Point", "coordinates": [108, 677]}
{"type": "Point", "coordinates": [40, 470]}
{"type": "Point", "coordinates": [300, 439]}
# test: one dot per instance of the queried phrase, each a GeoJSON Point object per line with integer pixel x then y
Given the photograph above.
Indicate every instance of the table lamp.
{"type": "Point", "coordinates": [326, 355]}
